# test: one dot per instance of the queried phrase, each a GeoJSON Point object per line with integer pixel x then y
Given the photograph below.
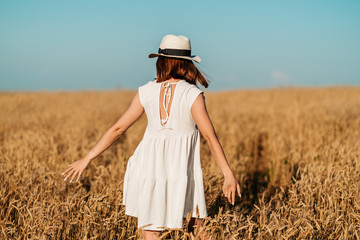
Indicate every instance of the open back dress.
{"type": "Point", "coordinates": [163, 180]}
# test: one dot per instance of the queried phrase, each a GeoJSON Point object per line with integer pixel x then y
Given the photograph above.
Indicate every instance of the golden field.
{"type": "Point", "coordinates": [295, 152]}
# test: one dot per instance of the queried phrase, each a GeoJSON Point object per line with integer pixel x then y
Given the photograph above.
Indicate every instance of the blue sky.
{"type": "Point", "coordinates": [76, 45]}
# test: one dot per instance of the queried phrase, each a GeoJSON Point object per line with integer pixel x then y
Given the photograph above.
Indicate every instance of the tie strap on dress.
{"type": "Point", "coordinates": [167, 93]}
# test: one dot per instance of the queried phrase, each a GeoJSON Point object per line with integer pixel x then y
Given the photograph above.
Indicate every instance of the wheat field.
{"type": "Point", "coordinates": [295, 152]}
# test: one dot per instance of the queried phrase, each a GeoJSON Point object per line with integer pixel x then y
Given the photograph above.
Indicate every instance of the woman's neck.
{"type": "Point", "coordinates": [172, 80]}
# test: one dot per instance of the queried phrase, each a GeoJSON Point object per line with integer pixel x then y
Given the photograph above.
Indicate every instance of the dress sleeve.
{"type": "Point", "coordinates": [141, 95]}
{"type": "Point", "coordinates": [192, 95]}
{"type": "Point", "coordinates": [144, 92]}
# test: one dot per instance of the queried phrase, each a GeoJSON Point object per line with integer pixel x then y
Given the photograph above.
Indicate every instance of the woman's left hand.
{"type": "Point", "coordinates": [76, 169]}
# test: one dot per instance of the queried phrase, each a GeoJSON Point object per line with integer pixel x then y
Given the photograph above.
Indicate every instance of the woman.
{"type": "Point", "coordinates": [163, 180]}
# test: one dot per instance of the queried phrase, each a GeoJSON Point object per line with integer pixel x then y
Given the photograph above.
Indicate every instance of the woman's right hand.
{"type": "Point", "coordinates": [230, 187]}
{"type": "Point", "coordinates": [76, 169]}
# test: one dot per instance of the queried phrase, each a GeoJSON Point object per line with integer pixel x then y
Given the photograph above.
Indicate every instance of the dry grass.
{"type": "Point", "coordinates": [294, 151]}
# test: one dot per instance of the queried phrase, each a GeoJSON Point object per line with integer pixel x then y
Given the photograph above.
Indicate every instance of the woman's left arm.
{"type": "Point", "coordinates": [132, 114]}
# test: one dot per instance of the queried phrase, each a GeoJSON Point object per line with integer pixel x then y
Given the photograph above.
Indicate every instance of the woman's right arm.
{"type": "Point", "coordinates": [132, 114]}
{"type": "Point", "coordinates": [202, 120]}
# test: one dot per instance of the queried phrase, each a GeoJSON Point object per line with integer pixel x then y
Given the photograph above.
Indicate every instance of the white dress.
{"type": "Point", "coordinates": [163, 179]}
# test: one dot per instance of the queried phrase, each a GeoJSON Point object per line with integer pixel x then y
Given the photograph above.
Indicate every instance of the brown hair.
{"type": "Point", "coordinates": [167, 68]}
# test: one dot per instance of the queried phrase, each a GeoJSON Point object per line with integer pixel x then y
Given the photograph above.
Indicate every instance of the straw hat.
{"type": "Point", "coordinates": [176, 47]}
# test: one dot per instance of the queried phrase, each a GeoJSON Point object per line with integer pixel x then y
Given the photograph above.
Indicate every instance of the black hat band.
{"type": "Point", "coordinates": [175, 52]}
